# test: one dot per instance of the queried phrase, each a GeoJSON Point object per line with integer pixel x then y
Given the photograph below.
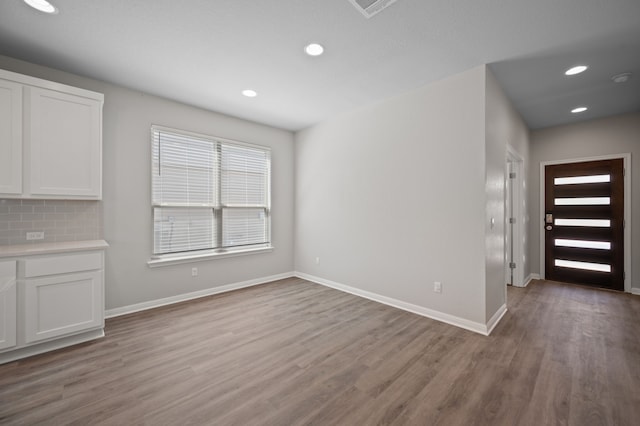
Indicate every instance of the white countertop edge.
{"type": "Point", "coordinates": [48, 248]}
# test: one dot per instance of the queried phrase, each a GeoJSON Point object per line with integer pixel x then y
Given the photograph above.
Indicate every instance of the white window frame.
{"type": "Point", "coordinates": [219, 252]}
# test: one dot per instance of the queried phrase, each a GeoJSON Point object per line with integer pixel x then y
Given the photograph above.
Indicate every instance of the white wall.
{"type": "Point", "coordinates": [504, 127]}
{"type": "Point", "coordinates": [391, 197]}
{"type": "Point", "coordinates": [128, 116]}
{"type": "Point", "coordinates": [613, 135]}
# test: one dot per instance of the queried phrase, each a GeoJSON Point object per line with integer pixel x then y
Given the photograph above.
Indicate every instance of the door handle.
{"type": "Point", "coordinates": [548, 227]}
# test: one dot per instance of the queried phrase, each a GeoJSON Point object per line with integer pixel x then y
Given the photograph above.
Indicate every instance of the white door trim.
{"type": "Point", "coordinates": [626, 157]}
{"type": "Point", "coordinates": [519, 214]}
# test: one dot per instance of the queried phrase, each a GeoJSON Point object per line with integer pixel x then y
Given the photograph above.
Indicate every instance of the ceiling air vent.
{"type": "Point", "coordinates": [370, 7]}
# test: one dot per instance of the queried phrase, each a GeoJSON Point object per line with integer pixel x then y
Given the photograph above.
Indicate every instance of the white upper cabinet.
{"type": "Point", "coordinates": [63, 133]}
{"type": "Point", "coordinates": [59, 131]}
{"type": "Point", "coordinates": [10, 138]}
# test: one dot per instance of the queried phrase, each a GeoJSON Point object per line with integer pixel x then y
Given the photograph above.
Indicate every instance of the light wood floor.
{"type": "Point", "coordinates": [292, 352]}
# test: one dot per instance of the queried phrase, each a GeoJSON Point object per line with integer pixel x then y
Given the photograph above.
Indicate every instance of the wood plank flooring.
{"type": "Point", "coordinates": [293, 353]}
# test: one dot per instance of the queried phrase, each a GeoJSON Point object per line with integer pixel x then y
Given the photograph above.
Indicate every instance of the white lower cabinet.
{"type": "Point", "coordinates": [62, 304]}
{"type": "Point", "coordinates": [56, 301]}
{"type": "Point", "coordinates": [7, 304]}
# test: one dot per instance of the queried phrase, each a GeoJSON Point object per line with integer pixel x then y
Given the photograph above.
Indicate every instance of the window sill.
{"type": "Point", "coordinates": [168, 260]}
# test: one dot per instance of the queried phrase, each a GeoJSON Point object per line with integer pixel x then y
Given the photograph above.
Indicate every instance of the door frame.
{"type": "Point", "coordinates": [626, 157]}
{"type": "Point", "coordinates": [518, 213]}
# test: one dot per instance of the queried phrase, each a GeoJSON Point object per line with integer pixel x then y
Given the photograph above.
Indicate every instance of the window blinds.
{"type": "Point", "coordinates": [244, 177]}
{"type": "Point", "coordinates": [183, 171]}
{"type": "Point", "coordinates": [208, 194]}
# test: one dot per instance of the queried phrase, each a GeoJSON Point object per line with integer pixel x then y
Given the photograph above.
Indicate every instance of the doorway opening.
{"type": "Point", "coordinates": [515, 220]}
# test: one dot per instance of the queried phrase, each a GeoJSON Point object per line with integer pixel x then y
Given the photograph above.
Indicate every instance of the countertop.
{"type": "Point", "coordinates": [49, 248]}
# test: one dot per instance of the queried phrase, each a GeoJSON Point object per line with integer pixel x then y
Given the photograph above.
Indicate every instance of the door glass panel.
{"type": "Point", "coordinates": [598, 223]}
{"type": "Point", "coordinates": [583, 265]}
{"type": "Point", "coordinates": [583, 201]}
{"type": "Point", "coordinates": [600, 245]}
{"type": "Point", "coordinates": [581, 179]}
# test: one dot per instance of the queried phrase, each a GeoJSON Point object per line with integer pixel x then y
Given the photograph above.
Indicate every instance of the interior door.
{"type": "Point", "coordinates": [584, 223]}
{"type": "Point", "coordinates": [510, 261]}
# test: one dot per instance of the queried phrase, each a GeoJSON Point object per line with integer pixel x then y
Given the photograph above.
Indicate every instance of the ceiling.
{"type": "Point", "coordinates": [205, 52]}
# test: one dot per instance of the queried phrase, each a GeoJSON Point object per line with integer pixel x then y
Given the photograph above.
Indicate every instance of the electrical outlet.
{"type": "Point", "coordinates": [35, 235]}
{"type": "Point", "coordinates": [194, 272]}
{"type": "Point", "coordinates": [437, 286]}
{"type": "Point", "coordinates": [317, 260]}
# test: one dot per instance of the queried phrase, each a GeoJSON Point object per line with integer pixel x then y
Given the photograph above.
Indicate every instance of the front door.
{"type": "Point", "coordinates": [584, 223]}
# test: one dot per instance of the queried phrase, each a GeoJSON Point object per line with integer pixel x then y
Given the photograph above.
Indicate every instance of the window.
{"type": "Point", "coordinates": [208, 194]}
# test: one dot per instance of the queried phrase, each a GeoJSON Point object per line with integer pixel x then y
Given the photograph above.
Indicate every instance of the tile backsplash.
{"type": "Point", "coordinates": [60, 220]}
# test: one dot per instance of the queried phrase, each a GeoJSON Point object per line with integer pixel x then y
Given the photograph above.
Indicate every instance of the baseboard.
{"type": "Point", "coordinates": [495, 319]}
{"type": "Point", "coordinates": [530, 278]}
{"type": "Point", "coordinates": [130, 309]}
{"type": "Point", "coordinates": [51, 345]}
{"type": "Point", "coordinates": [635, 290]}
{"type": "Point", "coordinates": [409, 307]}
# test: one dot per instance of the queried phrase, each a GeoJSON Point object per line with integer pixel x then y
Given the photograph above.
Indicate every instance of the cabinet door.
{"type": "Point", "coordinates": [10, 138]}
{"type": "Point", "coordinates": [7, 304]}
{"type": "Point", "coordinates": [62, 304]}
{"type": "Point", "coordinates": [64, 136]}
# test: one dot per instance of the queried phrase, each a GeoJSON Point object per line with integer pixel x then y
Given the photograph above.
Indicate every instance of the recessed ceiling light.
{"type": "Point", "coordinates": [42, 6]}
{"type": "Point", "coordinates": [313, 49]}
{"type": "Point", "coordinates": [250, 93]}
{"type": "Point", "coordinates": [576, 70]}
{"type": "Point", "coordinates": [621, 78]}
{"type": "Point", "coordinates": [578, 110]}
